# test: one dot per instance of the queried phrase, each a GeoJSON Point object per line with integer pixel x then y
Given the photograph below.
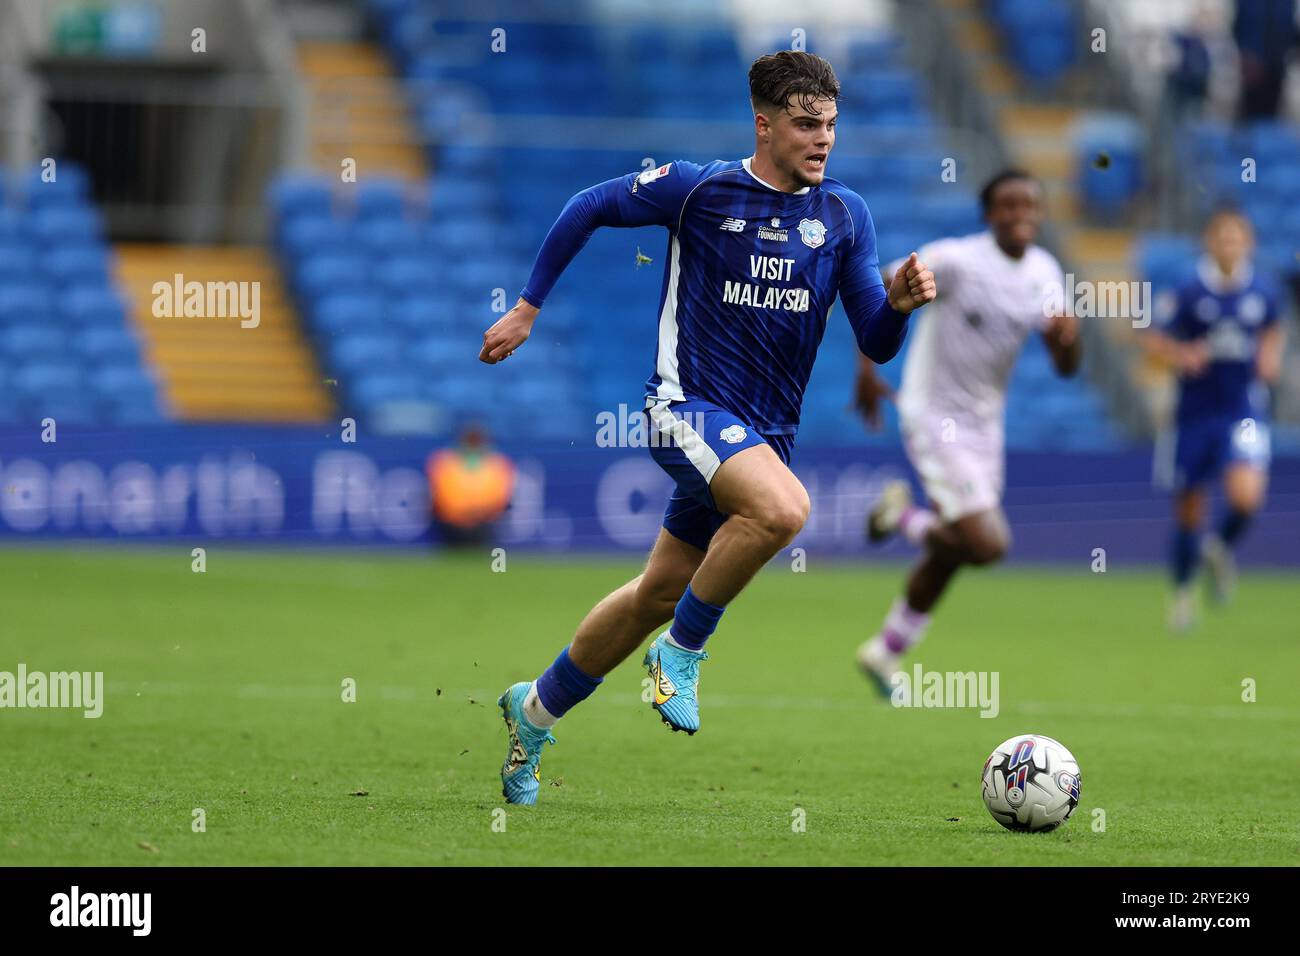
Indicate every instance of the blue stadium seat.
{"type": "Point", "coordinates": [1109, 186]}
{"type": "Point", "coordinates": [105, 345]}
{"type": "Point", "coordinates": [349, 312]}
{"type": "Point", "coordinates": [382, 238]}
{"type": "Point", "coordinates": [69, 187]}
{"type": "Point", "coordinates": [361, 351]}
{"type": "Point", "coordinates": [321, 275]}
{"type": "Point", "coordinates": [59, 224]}
{"type": "Point", "coordinates": [408, 274]}
{"type": "Point", "coordinates": [38, 376]}
{"type": "Point", "coordinates": [294, 194]}
{"type": "Point", "coordinates": [32, 341]}
{"type": "Point", "coordinates": [125, 394]}
{"type": "Point", "coordinates": [133, 410]}
{"type": "Point", "coordinates": [88, 305]}
{"type": "Point", "coordinates": [311, 233]}
{"type": "Point", "coordinates": [67, 406]}
{"type": "Point", "coordinates": [87, 263]}
{"type": "Point", "coordinates": [380, 198]}
{"type": "Point", "coordinates": [374, 388]}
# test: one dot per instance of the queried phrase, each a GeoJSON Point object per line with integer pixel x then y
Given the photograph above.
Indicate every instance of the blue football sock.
{"type": "Point", "coordinates": [1186, 554]}
{"type": "Point", "coordinates": [694, 620]}
{"type": "Point", "coordinates": [1234, 524]}
{"type": "Point", "coordinates": [562, 686]}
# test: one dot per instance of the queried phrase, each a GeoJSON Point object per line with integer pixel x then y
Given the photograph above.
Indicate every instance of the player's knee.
{"type": "Point", "coordinates": [787, 515]}
{"type": "Point", "coordinates": [657, 600]}
{"type": "Point", "coordinates": [988, 550]}
{"type": "Point", "coordinates": [1246, 498]}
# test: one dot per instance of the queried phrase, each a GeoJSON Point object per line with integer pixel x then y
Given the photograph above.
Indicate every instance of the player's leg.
{"type": "Point", "coordinates": [1185, 554]}
{"type": "Point", "coordinates": [619, 624]}
{"type": "Point", "coordinates": [977, 539]}
{"type": "Point", "coordinates": [1244, 484]}
{"type": "Point", "coordinates": [759, 508]}
{"type": "Point", "coordinates": [1201, 450]}
{"type": "Point", "coordinates": [611, 631]}
{"type": "Point", "coordinates": [766, 506]}
{"type": "Point", "coordinates": [964, 525]}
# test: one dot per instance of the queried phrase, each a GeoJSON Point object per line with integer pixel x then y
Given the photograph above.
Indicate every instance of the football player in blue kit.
{"type": "Point", "coordinates": [758, 249]}
{"type": "Point", "coordinates": [1222, 337]}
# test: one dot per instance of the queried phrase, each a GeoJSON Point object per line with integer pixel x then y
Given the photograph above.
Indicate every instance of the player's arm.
{"type": "Point", "coordinates": [1170, 342]}
{"type": "Point", "coordinates": [869, 393]}
{"type": "Point", "coordinates": [638, 199]}
{"type": "Point", "coordinates": [869, 389]}
{"type": "Point", "coordinates": [1185, 358]}
{"type": "Point", "coordinates": [1272, 346]}
{"type": "Point", "coordinates": [878, 314]}
{"type": "Point", "coordinates": [1064, 343]}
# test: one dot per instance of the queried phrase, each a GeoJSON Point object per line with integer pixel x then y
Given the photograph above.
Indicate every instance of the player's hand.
{"type": "Point", "coordinates": [508, 333]}
{"type": "Point", "coordinates": [869, 393]}
{"type": "Point", "coordinates": [1268, 365]}
{"type": "Point", "coordinates": [1193, 358]}
{"type": "Point", "coordinates": [1062, 330]}
{"type": "Point", "coordinates": [912, 287]}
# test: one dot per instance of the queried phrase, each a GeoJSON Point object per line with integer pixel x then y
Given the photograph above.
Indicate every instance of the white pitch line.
{"type": "Point", "coordinates": [407, 693]}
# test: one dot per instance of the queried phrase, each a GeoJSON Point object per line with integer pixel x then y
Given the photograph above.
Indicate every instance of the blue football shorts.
{"type": "Point", "coordinates": [690, 440]}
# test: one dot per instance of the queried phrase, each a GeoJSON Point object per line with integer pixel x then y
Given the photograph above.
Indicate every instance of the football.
{"type": "Point", "coordinates": [1031, 783]}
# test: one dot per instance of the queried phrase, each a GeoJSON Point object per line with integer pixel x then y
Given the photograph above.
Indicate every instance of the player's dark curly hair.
{"type": "Point", "coordinates": [1006, 176]}
{"type": "Point", "coordinates": [777, 78]}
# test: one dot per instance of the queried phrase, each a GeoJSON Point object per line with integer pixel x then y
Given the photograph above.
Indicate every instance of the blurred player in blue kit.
{"type": "Point", "coordinates": [758, 249]}
{"type": "Point", "coordinates": [1222, 337]}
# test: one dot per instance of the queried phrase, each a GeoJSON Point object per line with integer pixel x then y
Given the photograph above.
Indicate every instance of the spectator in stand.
{"type": "Point", "coordinates": [1265, 31]}
{"type": "Point", "coordinates": [1187, 84]}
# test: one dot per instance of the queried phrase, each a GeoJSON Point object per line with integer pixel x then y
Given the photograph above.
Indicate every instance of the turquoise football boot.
{"type": "Point", "coordinates": [676, 676]}
{"type": "Point", "coordinates": [521, 774]}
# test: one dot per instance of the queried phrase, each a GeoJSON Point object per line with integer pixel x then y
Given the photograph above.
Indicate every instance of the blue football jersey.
{"type": "Point", "coordinates": [750, 276]}
{"type": "Point", "coordinates": [1229, 315]}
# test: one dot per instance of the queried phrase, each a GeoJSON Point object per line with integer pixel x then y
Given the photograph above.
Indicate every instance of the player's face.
{"type": "Point", "coordinates": [1015, 214]}
{"type": "Point", "coordinates": [1228, 241]}
{"type": "Point", "coordinates": [802, 141]}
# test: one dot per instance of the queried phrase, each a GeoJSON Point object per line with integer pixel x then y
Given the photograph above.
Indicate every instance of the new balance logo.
{"type": "Point", "coordinates": [733, 225]}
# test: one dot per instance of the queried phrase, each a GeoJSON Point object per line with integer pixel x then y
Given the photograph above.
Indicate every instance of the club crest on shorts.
{"type": "Point", "coordinates": [812, 232]}
{"type": "Point", "coordinates": [732, 434]}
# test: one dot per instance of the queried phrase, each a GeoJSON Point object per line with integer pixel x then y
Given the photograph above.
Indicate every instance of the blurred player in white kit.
{"type": "Point", "coordinates": [995, 288]}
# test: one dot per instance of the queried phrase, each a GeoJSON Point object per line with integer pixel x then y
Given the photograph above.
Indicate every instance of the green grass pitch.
{"type": "Point", "coordinates": [224, 692]}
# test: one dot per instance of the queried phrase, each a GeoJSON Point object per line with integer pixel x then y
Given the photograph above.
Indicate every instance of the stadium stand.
{"type": "Point", "coordinates": [67, 349]}
{"type": "Point", "coordinates": [396, 281]}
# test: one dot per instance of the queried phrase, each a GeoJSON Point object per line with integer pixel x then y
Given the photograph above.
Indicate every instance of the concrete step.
{"type": "Point", "coordinates": [213, 369]}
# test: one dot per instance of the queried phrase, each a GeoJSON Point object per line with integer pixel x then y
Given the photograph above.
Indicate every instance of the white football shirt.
{"type": "Point", "coordinates": [967, 340]}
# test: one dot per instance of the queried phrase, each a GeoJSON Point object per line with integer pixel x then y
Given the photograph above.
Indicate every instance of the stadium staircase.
{"type": "Point", "coordinates": [213, 369]}
{"type": "Point", "coordinates": [1037, 124]}
{"type": "Point", "coordinates": [358, 111]}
